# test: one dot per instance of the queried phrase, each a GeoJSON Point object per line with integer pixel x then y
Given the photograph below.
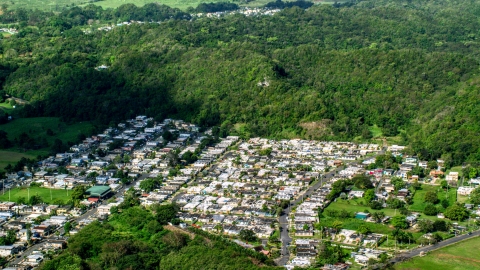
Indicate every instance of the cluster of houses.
{"type": "Point", "coordinates": [11, 31]}
{"type": "Point", "coordinates": [249, 182]}
{"type": "Point", "coordinates": [245, 11]}
{"type": "Point", "coordinates": [23, 221]}
{"type": "Point", "coordinates": [142, 151]}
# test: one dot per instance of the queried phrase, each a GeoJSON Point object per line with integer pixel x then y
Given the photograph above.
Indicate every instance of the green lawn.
{"type": "Point", "coordinates": [418, 200]}
{"type": "Point", "coordinates": [354, 224]}
{"type": "Point", "coordinates": [6, 107]}
{"type": "Point", "coordinates": [7, 157]}
{"type": "Point", "coordinates": [58, 5]}
{"type": "Point", "coordinates": [355, 206]}
{"type": "Point", "coordinates": [36, 128]}
{"type": "Point", "coordinates": [47, 195]}
{"type": "Point", "coordinates": [376, 131]}
{"type": "Point", "coordinates": [460, 256]}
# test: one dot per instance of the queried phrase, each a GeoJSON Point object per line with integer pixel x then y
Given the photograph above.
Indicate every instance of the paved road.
{"type": "Point", "coordinates": [283, 219]}
{"type": "Point", "coordinates": [403, 256]}
{"type": "Point", "coordinates": [86, 215]}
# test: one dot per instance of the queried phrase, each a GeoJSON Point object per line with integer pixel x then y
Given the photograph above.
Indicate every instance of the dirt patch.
{"type": "Point", "coordinates": [449, 256]}
{"type": "Point", "coordinates": [175, 229]}
{"type": "Point", "coordinates": [317, 129]}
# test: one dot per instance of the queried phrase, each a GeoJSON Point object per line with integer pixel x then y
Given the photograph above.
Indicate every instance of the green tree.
{"type": "Point", "coordinates": [430, 210]}
{"type": "Point", "coordinates": [475, 196]}
{"type": "Point", "coordinates": [247, 235]}
{"type": "Point", "coordinates": [440, 225]}
{"type": "Point", "coordinates": [425, 225]}
{"type": "Point", "coordinates": [150, 184]}
{"type": "Point", "coordinates": [78, 193]}
{"type": "Point", "coordinates": [378, 216]}
{"type": "Point", "coordinates": [431, 197]}
{"type": "Point", "coordinates": [369, 195]}
{"type": "Point", "coordinates": [444, 184]}
{"type": "Point", "coordinates": [337, 225]}
{"type": "Point", "coordinates": [67, 227]}
{"type": "Point", "coordinates": [456, 212]}
{"type": "Point", "coordinates": [399, 222]}
{"type": "Point", "coordinates": [398, 183]}
{"type": "Point", "coordinates": [362, 181]}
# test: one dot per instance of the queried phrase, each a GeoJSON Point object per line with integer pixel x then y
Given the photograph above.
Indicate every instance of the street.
{"type": "Point", "coordinates": [283, 219]}
{"type": "Point", "coordinates": [407, 255]}
{"type": "Point", "coordinates": [86, 215]}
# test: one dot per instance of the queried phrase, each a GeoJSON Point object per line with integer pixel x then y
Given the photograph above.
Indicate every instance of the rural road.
{"type": "Point", "coordinates": [407, 255]}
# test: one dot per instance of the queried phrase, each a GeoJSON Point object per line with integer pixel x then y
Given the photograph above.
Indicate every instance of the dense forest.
{"type": "Point", "coordinates": [325, 72]}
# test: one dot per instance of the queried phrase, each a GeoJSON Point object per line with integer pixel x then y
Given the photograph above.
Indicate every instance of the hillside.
{"type": "Point", "coordinates": [408, 67]}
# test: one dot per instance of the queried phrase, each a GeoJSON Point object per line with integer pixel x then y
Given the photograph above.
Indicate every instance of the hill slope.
{"type": "Point", "coordinates": [411, 68]}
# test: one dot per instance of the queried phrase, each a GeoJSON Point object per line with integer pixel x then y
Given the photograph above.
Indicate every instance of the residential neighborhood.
{"type": "Point", "coordinates": [227, 186]}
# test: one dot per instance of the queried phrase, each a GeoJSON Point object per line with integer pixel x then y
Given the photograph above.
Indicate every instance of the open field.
{"type": "Point", "coordinates": [460, 256]}
{"type": "Point", "coordinates": [6, 107]}
{"type": "Point", "coordinates": [376, 131]}
{"type": "Point", "coordinates": [47, 195]}
{"type": "Point", "coordinates": [418, 200]}
{"type": "Point", "coordinates": [36, 128]}
{"type": "Point", "coordinates": [7, 157]}
{"type": "Point", "coordinates": [355, 206]}
{"type": "Point", "coordinates": [59, 5]}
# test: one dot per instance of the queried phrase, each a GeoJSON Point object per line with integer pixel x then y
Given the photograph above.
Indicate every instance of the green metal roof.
{"type": "Point", "coordinates": [99, 191]}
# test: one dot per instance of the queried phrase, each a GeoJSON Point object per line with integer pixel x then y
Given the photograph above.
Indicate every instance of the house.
{"type": "Point", "coordinates": [436, 173]}
{"type": "Point", "coordinates": [6, 251]}
{"type": "Point", "coordinates": [43, 230]}
{"type": "Point", "coordinates": [452, 176]}
{"type": "Point", "coordinates": [356, 194]}
{"type": "Point", "coordinates": [303, 233]}
{"type": "Point", "coordinates": [465, 191]}
{"type": "Point", "coordinates": [34, 259]}
{"type": "Point", "coordinates": [218, 218]}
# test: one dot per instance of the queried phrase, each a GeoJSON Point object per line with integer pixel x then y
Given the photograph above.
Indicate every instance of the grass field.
{"type": "Point", "coordinates": [461, 256]}
{"type": "Point", "coordinates": [6, 107]}
{"type": "Point", "coordinates": [355, 206]}
{"type": "Point", "coordinates": [7, 157]}
{"type": "Point", "coordinates": [376, 131]}
{"type": "Point", "coordinates": [37, 128]}
{"type": "Point", "coordinates": [47, 195]}
{"type": "Point", "coordinates": [59, 5]}
{"type": "Point", "coordinates": [418, 200]}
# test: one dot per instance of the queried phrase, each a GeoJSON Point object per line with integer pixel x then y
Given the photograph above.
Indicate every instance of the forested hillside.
{"type": "Point", "coordinates": [409, 67]}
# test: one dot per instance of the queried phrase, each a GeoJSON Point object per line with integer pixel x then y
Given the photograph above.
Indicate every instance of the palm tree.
{"type": "Point", "coordinates": [337, 225]}
{"type": "Point", "coordinates": [218, 228]}
{"type": "Point", "coordinates": [378, 216]}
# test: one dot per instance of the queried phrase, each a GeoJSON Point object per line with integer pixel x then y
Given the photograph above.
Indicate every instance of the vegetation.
{"type": "Point", "coordinates": [136, 238]}
{"type": "Point", "coordinates": [462, 255]}
{"type": "Point", "coordinates": [50, 196]}
{"type": "Point", "coordinates": [244, 73]}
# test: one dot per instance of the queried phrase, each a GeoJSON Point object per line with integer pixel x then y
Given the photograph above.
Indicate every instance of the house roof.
{"type": "Point", "coordinates": [98, 191]}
